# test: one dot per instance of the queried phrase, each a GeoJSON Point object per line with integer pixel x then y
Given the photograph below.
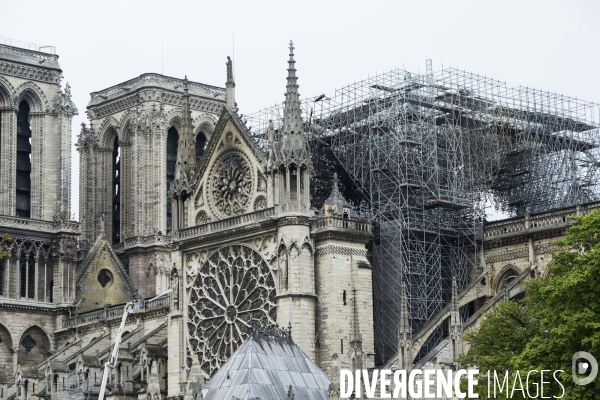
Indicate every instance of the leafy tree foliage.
{"type": "Point", "coordinates": [559, 316]}
{"type": "Point", "coordinates": [3, 241]}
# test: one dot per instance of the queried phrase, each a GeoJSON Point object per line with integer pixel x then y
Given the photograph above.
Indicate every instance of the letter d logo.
{"type": "Point", "coordinates": [583, 367]}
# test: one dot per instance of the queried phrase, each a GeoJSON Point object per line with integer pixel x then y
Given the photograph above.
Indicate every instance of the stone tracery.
{"type": "Point", "coordinates": [231, 184]}
{"type": "Point", "coordinates": [233, 290]}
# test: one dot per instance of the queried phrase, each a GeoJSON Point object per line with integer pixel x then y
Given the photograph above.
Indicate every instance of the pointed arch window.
{"type": "Point", "coordinates": [172, 143]}
{"type": "Point", "coordinates": [23, 206]}
{"type": "Point", "coordinates": [116, 191]}
{"type": "Point", "coordinates": [200, 146]}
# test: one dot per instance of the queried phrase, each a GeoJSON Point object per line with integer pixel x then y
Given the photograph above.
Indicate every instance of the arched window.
{"type": "Point", "coordinates": [23, 208]}
{"type": "Point", "coordinates": [506, 278]}
{"type": "Point", "coordinates": [34, 347]}
{"type": "Point", "coordinates": [200, 146]}
{"type": "Point", "coordinates": [172, 141]}
{"type": "Point", "coordinates": [27, 276]}
{"type": "Point", "coordinates": [116, 191]}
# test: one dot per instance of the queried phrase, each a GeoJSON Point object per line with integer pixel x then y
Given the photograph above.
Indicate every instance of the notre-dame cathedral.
{"type": "Point", "coordinates": [173, 194]}
{"type": "Point", "coordinates": [177, 197]}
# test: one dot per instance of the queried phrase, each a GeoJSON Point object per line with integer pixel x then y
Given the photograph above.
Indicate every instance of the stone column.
{"type": "Point", "coordinates": [531, 253]}
{"type": "Point", "coordinates": [8, 129]}
{"type": "Point", "coordinates": [45, 279]}
{"type": "Point", "coordinates": [298, 197]}
{"type": "Point", "coordinates": [15, 351]}
{"type": "Point", "coordinates": [36, 278]}
{"type": "Point", "coordinates": [27, 276]}
{"type": "Point", "coordinates": [307, 188]}
{"type": "Point", "coordinates": [287, 185]}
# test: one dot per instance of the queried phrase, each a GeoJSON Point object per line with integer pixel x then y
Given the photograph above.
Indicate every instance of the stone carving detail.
{"type": "Point", "coordinates": [342, 250]}
{"type": "Point", "coordinates": [199, 200]}
{"type": "Point", "coordinates": [507, 255]}
{"type": "Point", "coordinates": [268, 246]}
{"type": "Point", "coordinates": [231, 184]}
{"type": "Point", "coordinates": [202, 218]}
{"type": "Point", "coordinates": [260, 203]}
{"type": "Point", "coordinates": [547, 248]}
{"type": "Point", "coordinates": [234, 290]}
{"type": "Point", "coordinates": [272, 330]}
{"type": "Point", "coordinates": [228, 137]}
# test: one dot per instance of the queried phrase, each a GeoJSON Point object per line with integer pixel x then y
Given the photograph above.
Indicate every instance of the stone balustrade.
{"type": "Point", "coordinates": [40, 225]}
{"type": "Point", "coordinates": [144, 241]}
{"type": "Point", "coordinates": [536, 222]}
{"type": "Point", "coordinates": [40, 56]}
{"type": "Point", "coordinates": [111, 313]}
{"type": "Point", "coordinates": [227, 223]}
{"type": "Point", "coordinates": [159, 79]}
{"type": "Point", "coordinates": [343, 223]}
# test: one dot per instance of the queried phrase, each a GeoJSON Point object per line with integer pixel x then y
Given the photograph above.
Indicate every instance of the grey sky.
{"type": "Point", "coordinates": [551, 45]}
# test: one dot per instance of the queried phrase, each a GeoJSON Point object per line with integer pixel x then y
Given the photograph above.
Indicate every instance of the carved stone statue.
{"type": "Point", "coordinates": [175, 288]}
{"type": "Point", "coordinates": [229, 64]}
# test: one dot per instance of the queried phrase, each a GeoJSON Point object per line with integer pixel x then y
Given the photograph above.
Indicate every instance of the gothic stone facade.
{"type": "Point", "coordinates": [174, 194]}
{"type": "Point", "coordinates": [37, 280]}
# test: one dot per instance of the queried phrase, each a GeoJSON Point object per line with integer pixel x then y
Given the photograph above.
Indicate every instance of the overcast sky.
{"type": "Point", "coordinates": [551, 45]}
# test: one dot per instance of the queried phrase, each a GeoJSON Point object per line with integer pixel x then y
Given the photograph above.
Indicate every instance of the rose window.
{"type": "Point", "coordinates": [231, 185]}
{"type": "Point", "coordinates": [233, 290]}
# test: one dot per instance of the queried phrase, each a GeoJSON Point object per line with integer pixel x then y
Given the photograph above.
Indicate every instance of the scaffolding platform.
{"type": "Point", "coordinates": [414, 143]}
{"type": "Point", "coordinates": [441, 203]}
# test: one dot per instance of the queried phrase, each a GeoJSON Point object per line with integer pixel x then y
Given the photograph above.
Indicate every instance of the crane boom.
{"type": "Point", "coordinates": [130, 308]}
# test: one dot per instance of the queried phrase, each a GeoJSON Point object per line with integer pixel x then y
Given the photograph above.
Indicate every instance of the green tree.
{"type": "Point", "coordinates": [3, 241]}
{"type": "Point", "coordinates": [559, 316]}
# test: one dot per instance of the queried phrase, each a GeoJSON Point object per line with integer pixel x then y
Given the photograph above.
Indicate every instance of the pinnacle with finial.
{"type": "Point", "coordinates": [454, 292]}
{"type": "Point", "coordinates": [404, 322]}
{"type": "Point", "coordinates": [355, 327]}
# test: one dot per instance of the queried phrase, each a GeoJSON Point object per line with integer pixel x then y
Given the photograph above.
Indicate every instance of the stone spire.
{"type": "Point", "coordinates": [271, 142]}
{"type": "Point", "coordinates": [230, 86]}
{"type": "Point", "coordinates": [456, 325]}
{"type": "Point", "coordinates": [355, 335]}
{"type": "Point", "coordinates": [292, 129]}
{"type": "Point", "coordinates": [186, 152]}
{"type": "Point", "coordinates": [404, 333]}
{"type": "Point", "coordinates": [336, 203]}
{"type": "Point", "coordinates": [356, 351]}
{"type": "Point", "coordinates": [454, 293]}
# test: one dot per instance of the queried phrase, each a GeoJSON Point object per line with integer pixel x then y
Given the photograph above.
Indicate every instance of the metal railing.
{"type": "Point", "coordinates": [112, 312]}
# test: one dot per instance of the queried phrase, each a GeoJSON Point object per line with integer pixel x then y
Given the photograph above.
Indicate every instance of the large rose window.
{"type": "Point", "coordinates": [231, 184]}
{"type": "Point", "coordinates": [233, 290]}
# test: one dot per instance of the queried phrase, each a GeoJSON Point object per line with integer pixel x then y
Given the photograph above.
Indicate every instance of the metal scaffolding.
{"type": "Point", "coordinates": [423, 153]}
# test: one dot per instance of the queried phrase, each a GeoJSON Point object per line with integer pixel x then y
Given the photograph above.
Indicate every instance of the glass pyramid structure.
{"type": "Point", "coordinates": [267, 366]}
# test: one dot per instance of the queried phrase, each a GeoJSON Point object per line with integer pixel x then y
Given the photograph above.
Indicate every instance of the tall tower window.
{"type": "Point", "coordinates": [200, 146]}
{"type": "Point", "coordinates": [23, 208]}
{"type": "Point", "coordinates": [172, 141]}
{"type": "Point", "coordinates": [116, 192]}
{"type": "Point", "coordinates": [26, 277]}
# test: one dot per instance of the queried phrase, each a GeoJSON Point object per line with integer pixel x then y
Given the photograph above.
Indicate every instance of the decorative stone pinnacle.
{"type": "Point", "coordinates": [292, 115]}
{"type": "Point", "coordinates": [404, 331]}
{"type": "Point", "coordinates": [272, 330]}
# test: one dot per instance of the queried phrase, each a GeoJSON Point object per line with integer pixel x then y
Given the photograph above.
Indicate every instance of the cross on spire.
{"type": "Point", "coordinates": [291, 47]}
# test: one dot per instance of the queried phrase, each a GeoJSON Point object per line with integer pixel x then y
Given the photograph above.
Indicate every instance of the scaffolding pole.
{"type": "Point", "coordinates": [423, 154]}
